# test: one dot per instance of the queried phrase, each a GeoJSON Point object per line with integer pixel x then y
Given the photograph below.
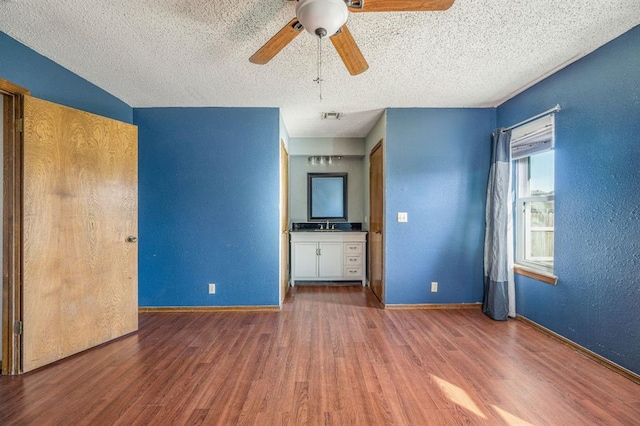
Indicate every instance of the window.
{"type": "Point", "coordinates": [533, 160]}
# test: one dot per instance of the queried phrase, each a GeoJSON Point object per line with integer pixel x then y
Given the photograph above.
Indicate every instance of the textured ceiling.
{"type": "Point", "coordinates": [152, 53]}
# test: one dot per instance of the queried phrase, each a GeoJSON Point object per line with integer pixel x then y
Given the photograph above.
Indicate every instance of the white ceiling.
{"type": "Point", "coordinates": [153, 53]}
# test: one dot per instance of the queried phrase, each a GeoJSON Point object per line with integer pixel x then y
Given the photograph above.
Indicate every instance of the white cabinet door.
{"type": "Point", "coordinates": [305, 263]}
{"type": "Point", "coordinates": [330, 260]}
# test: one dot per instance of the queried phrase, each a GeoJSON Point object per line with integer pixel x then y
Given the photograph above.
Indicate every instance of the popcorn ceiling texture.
{"type": "Point", "coordinates": [153, 53]}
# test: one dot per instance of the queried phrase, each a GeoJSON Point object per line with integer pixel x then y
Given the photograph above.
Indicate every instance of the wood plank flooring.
{"type": "Point", "coordinates": [330, 357]}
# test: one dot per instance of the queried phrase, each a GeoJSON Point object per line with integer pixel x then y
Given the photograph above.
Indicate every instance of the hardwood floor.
{"type": "Point", "coordinates": [330, 357]}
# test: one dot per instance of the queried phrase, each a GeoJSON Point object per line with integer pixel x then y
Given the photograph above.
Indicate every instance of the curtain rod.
{"type": "Point", "coordinates": [542, 114]}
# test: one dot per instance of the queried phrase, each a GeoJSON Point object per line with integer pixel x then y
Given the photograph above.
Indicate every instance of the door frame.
{"type": "Point", "coordinates": [285, 267]}
{"type": "Point", "coordinates": [12, 224]}
{"type": "Point", "coordinates": [378, 146]}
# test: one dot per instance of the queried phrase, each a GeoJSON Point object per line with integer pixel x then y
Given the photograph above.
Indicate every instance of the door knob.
{"type": "Point", "coordinates": [132, 239]}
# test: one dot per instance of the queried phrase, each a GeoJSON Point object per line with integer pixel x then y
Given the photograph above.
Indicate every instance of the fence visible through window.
{"type": "Point", "coordinates": [539, 232]}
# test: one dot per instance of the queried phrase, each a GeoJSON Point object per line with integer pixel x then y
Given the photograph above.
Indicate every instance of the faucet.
{"type": "Point", "coordinates": [327, 224]}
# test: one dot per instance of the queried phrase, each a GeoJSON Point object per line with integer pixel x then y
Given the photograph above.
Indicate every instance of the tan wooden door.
{"type": "Point", "coordinates": [80, 202]}
{"type": "Point", "coordinates": [284, 221]}
{"type": "Point", "coordinates": [376, 222]}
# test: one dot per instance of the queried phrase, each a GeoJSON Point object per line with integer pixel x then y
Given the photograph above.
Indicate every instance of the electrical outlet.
{"type": "Point", "coordinates": [403, 217]}
{"type": "Point", "coordinates": [212, 288]}
{"type": "Point", "coordinates": [434, 287]}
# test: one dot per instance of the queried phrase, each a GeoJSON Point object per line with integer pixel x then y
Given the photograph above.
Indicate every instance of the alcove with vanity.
{"type": "Point", "coordinates": [326, 192]}
{"type": "Point", "coordinates": [328, 255]}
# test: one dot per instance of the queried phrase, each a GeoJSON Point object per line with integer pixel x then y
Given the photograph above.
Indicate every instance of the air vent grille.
{"type": "Point", "coordinates": [331, 115]}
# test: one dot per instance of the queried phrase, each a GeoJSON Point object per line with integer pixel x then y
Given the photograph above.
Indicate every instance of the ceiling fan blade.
{"type": "Point", "coordinates": [277, 43]}
{"type": "Point", "coordinates": [400, 5]}
{"type": "Point", "coordinates": [349, 51]}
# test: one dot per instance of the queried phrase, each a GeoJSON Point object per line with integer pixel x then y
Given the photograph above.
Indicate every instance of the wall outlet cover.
{"type": "Point", "coordinates": [212, 288]}
{"type": "Point", "coordinates": [434, 287]}
{"type": "Point", "coordinates": [403, 217]}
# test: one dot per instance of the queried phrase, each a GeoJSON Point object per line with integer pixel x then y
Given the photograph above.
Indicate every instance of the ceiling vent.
{"type": "Point", "coordinates": [331, 115]}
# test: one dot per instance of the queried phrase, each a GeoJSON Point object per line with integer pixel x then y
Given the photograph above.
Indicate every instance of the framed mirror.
{"type": "Point", "coordinates": [326, 197]}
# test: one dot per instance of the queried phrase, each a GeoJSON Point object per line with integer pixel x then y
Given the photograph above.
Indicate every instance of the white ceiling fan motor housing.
{"type": "Point", "coordinates": [315, 15]}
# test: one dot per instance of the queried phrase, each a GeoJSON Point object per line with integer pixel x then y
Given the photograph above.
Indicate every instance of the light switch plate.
{"type": "Point", "coordinates": [403, 217]}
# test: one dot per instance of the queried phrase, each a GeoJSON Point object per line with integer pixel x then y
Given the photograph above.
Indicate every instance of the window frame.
{"type": "Point", "coordinates": [530, 139]}
{"type": "Point", "coordinates": [522, 244]}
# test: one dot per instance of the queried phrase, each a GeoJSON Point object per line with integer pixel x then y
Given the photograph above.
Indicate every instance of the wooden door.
{"type": "Point", "coordinates": [376, 222]}
{"type": "Point", "coordinates": [79, 210]}
{"type": "Point", "coordinates": [284, 221]}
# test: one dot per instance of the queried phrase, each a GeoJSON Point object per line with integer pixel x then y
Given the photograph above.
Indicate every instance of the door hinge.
{"type": "Point", "coordinates": [19, 125]}
{"type": "Point", "coordinates": [18, 327]}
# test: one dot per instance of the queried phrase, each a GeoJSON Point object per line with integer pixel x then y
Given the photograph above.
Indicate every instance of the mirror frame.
{"type": "Point", "coordinates": [311, 217]}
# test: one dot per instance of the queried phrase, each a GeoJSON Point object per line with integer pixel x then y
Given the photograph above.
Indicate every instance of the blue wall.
{"type": "Point", "coordinates": [208, 206]}
{"type": "Point", "coordinates": [47, 80]}
{"type": "Point", "coordinates": [436, 167]}
{"type": "Point", "coordinates": [597, 244]}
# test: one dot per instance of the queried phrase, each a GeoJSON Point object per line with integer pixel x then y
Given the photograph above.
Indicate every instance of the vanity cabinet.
{"type": "Point", "coordinates": [312, 260]}
{"type": "Point", "coordinates": [328, 256]}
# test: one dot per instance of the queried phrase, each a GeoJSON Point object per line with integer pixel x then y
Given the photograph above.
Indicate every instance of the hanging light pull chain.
{"type": "Point", "coordinates": [320, 32]}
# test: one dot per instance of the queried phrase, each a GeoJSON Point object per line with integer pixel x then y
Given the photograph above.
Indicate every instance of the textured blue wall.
{"type": "Point", "coordinates": [208, 206]}
{"type": "Point", "coordinates": [436, 167]}
{"type": "Point", "coordinates": [597, 244]}
{"type": "Point", "coordinates": [48, 80]}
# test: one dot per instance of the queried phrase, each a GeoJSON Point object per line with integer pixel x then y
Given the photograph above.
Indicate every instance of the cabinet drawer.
{"type": "Point", "coordinates": [352, 271]}
{"type": "Point", "coordinates": [352, 260]}
{"type": "Point", "coordinates": [352, 248]}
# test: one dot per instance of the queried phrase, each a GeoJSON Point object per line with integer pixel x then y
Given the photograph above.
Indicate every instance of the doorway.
{"type": "Point", "coordinates": [11, 302]}
{"type": "Point", "coordinates": [69, 228]}
{"type": "Point", "coordinates": [376, 221]}
{"type": "Point", "coordinates": [284, 221]}
{"type": "Point", "coordinates": [2, 114]}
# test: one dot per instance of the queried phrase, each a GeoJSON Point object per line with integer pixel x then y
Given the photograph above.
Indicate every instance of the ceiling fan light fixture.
{"type": "Point", "coordinates": [322, 17]}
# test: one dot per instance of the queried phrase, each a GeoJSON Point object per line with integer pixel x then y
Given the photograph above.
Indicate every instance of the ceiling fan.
{"type": "Point", "coordinates": [323, 18]}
